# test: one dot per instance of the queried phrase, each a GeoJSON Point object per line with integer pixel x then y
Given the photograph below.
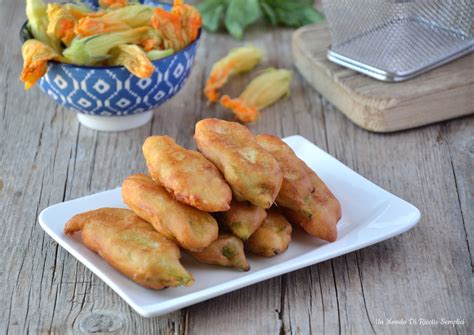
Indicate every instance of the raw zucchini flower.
{"type": "Point", "coordinates": [60, 23]}
{"type": "Point", "coordinates": [190, 19]}
{"type": "Point", "coordinates": [260, 93]}
{"type": "Point", "coordinates": [179, 27]}
{"type": "Point", "coordinates": [153, 40]}
{"type": "Point", "coordinates": [169, 26]}
{"type": "Point", "coordinates": [133, 58]}
{"type": "Point", "coordinates": [79, 10]}
{"type": "Point", "coordinates": [93, 49]}
{"type": "Point", "coordinates": [117, 20]}
{"type": "Point", "coordinates": [133, 15]}
{"type": "Point", "coordinates": [89, 26]}
{"type": "Point", "coordinates": [238, 60]}
{"type": "Point", "coordinates": [112, 3]}
{"type": "Point", "coordinates": [158, 54]}
{"type": "Point", "coordinates": [38, 23]}
{"type": "Point", "coordinates": [36, 55]}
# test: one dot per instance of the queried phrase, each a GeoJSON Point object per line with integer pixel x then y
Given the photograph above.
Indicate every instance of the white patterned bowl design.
{"type": "Point", "coordinates": [109, 91]}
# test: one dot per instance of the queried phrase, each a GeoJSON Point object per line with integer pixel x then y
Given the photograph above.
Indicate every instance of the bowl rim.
{"type": "Point", "coordinates": [24, 27]}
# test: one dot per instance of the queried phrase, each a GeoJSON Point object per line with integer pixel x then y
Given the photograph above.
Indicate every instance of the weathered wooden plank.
{"type": "Point", "coordinates": [50, 290]}
{"type": "Point", "coordinates": [46, 157]}
{"type": "Point", "coordinates": [460, 138]}
{"type": "Point", "coordinates": [425, 273]}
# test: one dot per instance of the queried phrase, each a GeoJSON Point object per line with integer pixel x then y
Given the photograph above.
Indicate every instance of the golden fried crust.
{"type": "Point", "coordinates": [296, 186]}
{"type": "Point", "coordinates": [191, 228]}
{"type": "Point", "coordinates": [243, 218]}
{"type": "Point", "coordinates": [131, 246]}
{"type": "Point", "coordinates": [186, 174]}
{"type": "Point", "coordinates": [304, 198]}
{"type": "Point", "coordinates": [227, 250]}
{"type": "Point", "coordinates": [325, 211]}
{"type": "Point", "coordinates": [252, 173]}
{"type": "Point", "coordinates": [273, 236]}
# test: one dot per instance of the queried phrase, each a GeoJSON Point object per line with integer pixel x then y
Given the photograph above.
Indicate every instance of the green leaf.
{"type": "Point", "coordinates": [295, 13]}
{"type": "Point", "coordinates": [240, 14]}
{"type": "Point", "coordinates": [211, 12]}
{"type": "Point", "coordinates": [269, 13]}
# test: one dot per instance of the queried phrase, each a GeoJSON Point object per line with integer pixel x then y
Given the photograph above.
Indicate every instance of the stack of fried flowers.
{"type": "Point", "coordinates": [238, 193]}
{"type": "Point", "coordinates": [119, 33]}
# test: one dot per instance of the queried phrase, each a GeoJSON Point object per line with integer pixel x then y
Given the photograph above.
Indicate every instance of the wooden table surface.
{"type": "Point", "coordinates": [47, 157]}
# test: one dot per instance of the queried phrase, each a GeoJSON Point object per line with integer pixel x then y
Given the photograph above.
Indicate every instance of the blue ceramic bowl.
{"type": "Point", "coordinates": [112, 90]}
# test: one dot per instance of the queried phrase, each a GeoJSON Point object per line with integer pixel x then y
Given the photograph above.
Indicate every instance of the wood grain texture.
{"type": "Point", "coordinates": [46, 157]}
{"type": "Point", "coordinates": [460, 137]}
{"type": "Point", "coordinates": [441, 94]}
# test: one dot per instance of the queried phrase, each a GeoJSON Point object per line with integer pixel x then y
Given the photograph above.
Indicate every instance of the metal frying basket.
{"type": "Point", "coordinates": [394, 40]}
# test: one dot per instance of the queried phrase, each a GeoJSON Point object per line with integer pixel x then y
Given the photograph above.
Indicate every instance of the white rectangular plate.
{"type": "Point", "coordinates": [369, 215]}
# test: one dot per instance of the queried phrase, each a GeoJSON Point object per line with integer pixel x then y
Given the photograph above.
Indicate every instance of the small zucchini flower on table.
{"type": "Point", "coordinates": [238, 60]}
{"type": "Point", "coordinates": [36, 55]}
{"type": "Point", "coordinates": [261, 92]}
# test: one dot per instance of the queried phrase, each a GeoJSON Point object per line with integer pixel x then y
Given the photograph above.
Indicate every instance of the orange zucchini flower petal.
{"type": "Point", "coordinates": [169, 25]}
{"type": "Point", "coordinates": [179, 27]}
{"type": "Point", "coordinates": [152, 40]}
{"type": "Point", "coordinates": [238, 60]}
{"type": "Point", "coordinates": [89, 26]}
{"type": "Point", "coordinates": [190, 19]}
{"type": "Point", "coordinates": [261, 92]}
{"type": "Point", "coordinates": [133, 58]}
{"type": "Point", "coordinates": [242, 112]}
{"type": "Point", "coordinates": [35, 61]}
{"type": "Point", "coordinates": [60, 23]}
{"type": "Point", "coordinates": [79, 11]}
{"type": "Point", "coordinates": [112, 3]}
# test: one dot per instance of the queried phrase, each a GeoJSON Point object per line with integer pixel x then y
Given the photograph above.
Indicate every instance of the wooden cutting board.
{"type": "Point", "coordinates": [441, 94]}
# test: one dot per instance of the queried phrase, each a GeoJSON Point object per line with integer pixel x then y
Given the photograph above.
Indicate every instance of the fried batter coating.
{"type": "Point", "coordinates": [324, 211]}
{"type": "Point", "coordinates": [252, 173]}
{"type": "Point", "coordinates": [296, 185]}
{"type": "Point", "coordinates": [191, 228]}
{"type": "Point", "coordinates": [243, 218]}
{"type": "Point", "coordinates": [305, 199]}
{"type": "Point", "coordinates": [131, 246]}
{"type": "Point", "coordinates": [227, 250]}
{"type": "Point", "coordinates": [186, 174]}
{"type": "Point", "coordinates": [273, 236]}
